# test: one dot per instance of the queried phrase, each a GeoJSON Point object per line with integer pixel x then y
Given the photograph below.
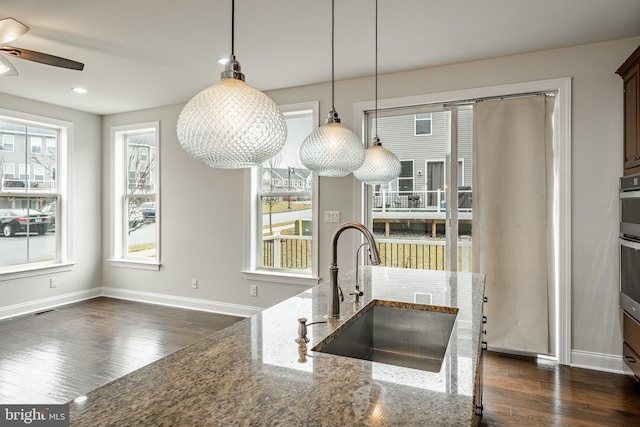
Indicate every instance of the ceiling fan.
{"type": "Point", "coordinates": [10, 29]}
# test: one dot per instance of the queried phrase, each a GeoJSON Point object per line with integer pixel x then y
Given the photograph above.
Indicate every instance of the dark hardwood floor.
{"type": "Point", "coordinates": [58, 355]}
{"type": "Point", "coordinates": [522, 391]}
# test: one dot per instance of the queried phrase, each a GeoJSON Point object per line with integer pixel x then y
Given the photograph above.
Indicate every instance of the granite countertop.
{"type": "Point", "coordinates": [253, 373]}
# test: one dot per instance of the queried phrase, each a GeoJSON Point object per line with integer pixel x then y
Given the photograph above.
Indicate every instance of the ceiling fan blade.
{"type": "Point", "coordinates": [10, 29]}
{"type": "Point", "coordinates": [6, 69]}
{"type": "Point", "coordinates": [43, 58]}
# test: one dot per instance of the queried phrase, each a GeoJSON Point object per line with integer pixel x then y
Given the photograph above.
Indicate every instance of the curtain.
{"type": "Point", "coordinates": [512, 221]}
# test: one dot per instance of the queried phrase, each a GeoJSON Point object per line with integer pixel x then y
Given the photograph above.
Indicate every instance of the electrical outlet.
{"type": "Point", "coordinates": [254, 290]}
{"type": "Point", "coordinates": [331, 216]}
{"type": "Point", "coordinates": [194, 283]}
{"type": "Point", "coordinates": [53, 282]}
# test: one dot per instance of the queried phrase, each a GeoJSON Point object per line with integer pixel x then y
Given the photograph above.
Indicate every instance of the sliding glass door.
{"type": "Point", "coordinates": [422, 219]}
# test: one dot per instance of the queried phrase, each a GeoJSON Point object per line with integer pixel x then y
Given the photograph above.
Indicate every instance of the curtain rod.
{"type": "Point", "coordinates": [491, 98]}
{"type": "Point", "coordinates": [463, 102]}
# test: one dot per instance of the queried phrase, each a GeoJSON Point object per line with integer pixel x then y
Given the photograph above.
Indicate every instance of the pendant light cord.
{"type": "Point", "coordinates": [376, 79]}
{"type": "Point", "coordinates": [333, 107]}
{"type": "Point", "coordinates": [233, 23]}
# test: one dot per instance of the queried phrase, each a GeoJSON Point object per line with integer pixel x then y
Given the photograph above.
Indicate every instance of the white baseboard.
{"type": "Point", "coordinates": [48, 303]}
{"type": "Point", "coordinates": [181, 302]}
{"type": "Point", "coordinates": [599, 362]}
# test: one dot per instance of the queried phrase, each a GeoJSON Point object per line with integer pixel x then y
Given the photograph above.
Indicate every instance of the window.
{"type": "Point", "coordinates": [284, 208]}
{"type": "Point", "coordinates": [51, 145]}
{"type": "Point", "coordinates": [23, 172]}
{"type": "Point", "coordinates": [8, 142]}
{"type": "Point", "coordinates": [405, 180]}
{"type": "Point", "coordinates": [32, 197]}
{"type": "Point", "coordinates": [422, 124]}
{"type": "Point", "coordinates": [38, 173]}
{"type": "Point", "coordinates": [136, 190]}
{"type": "Point", "coordinates": [36, 145]}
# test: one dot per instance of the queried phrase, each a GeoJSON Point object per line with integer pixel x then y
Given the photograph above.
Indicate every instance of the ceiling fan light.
{"type": "Point", "coordinates": [380, 166]}
{"type": "Point", "coordinates": [4, 68]}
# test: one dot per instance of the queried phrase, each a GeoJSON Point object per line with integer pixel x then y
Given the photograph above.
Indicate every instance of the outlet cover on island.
{"type": "Point", "coordinates": [331, 216]}
{"type": "Point", "coordinates": [194, 283]}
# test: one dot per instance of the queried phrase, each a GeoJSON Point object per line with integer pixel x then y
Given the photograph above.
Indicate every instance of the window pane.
{"type": "Point", "coordinates": [28, 230]}
{"type": "Point", "coordinates": [141, 223]}
{"type": "Point", "coordinates": [140, 198]}
{"type": "Point", "coordinates": [28, 211]}
{"type": "Point", "coordinates": [407, 168]}
{"type": "Point", "coordinates": [285, 195]}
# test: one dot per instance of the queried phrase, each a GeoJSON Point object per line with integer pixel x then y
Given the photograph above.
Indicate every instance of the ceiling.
{"type": "Point", "coordinates": [148, 53]}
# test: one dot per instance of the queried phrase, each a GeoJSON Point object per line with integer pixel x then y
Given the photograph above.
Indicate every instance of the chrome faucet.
{"type": "Point", "coordinates": [357, 292]}
{"type": "Point", "coordinates": [334, 298]}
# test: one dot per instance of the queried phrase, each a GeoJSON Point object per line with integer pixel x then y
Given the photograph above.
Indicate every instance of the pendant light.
{"type": "Point", "coordinates": [230, 124]}
{"type": "Point", "coordinates": [380, 165]}
{"type": "Point", "coordinates": [333, 149]}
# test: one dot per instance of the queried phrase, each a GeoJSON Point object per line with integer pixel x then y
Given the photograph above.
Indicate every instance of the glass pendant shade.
{"type": "Point", "coordinates": [232, 125]}
{"type": "Point", "coordinates": [332, 149]}
{"type": "Point", "coordinates": [380, 166]}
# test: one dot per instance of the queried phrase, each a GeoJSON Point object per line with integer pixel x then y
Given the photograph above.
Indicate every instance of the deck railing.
{"type": "Point", "coordinates": [431, 201]}
{"type": "Point", "coordinates": [294, 252]}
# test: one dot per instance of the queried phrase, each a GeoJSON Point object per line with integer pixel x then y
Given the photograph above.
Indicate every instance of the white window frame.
{"type": "Point", "coordinates": [253, 212]}
{"type": "Point", "coordinates": [417, 119]}
{"type": "Point", "coordinates": [64, 248]}
{"type": "Point", "coordinates": [5, 170]}
{"type": "Point", "coordinates": [38, 170]}
{"type": "Point", "coordinates": [10, 140]}
{"type": "Point", "coordinates": [119, 190]}
{"type": "Point", "coordinates": [413, 175]}
{"type": "Point", "coordinates": [24, 172]}
{"type": "Point", "coordinates": [35, 141]}
{"type": "Point", "coordinates": [562, 153]}
{"type": "Point", "coordinates": [51, 145]}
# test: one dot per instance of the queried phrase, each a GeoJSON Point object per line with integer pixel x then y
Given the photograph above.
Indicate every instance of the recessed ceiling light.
{"type": "Point", "coordinates": [223, 61]}
{"type": "Point", "coordinates": [4, 68]}
{"type": "Point", "coordinates": [79, 90]}
{"type": "Point", "coordinates": [80, 399]}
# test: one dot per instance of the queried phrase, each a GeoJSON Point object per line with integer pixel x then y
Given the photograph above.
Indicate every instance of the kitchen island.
{"type": "Point", "coordinates": [253, 373]}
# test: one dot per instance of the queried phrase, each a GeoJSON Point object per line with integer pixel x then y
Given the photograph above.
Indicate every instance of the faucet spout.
{"type": "Point", "coordinates": [334, 298]}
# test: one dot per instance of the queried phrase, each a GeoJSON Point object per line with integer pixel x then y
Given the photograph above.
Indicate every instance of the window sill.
{"type": "Point", "coordinates": [281, 277]}
{"type": "Point", "coordinates": [35, 270]}
{"type": "Point", "coordinates": [136, 264]}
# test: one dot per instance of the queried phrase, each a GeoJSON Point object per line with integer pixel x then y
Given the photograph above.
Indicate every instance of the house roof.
{"type": "Point", "coordinates": [150, 53]}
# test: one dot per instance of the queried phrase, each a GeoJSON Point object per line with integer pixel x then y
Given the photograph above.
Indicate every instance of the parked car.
{"type": "Point", "coordinates": [135, 218]}
{"type": "Point", "coordinates": [148, 210]}
{"type": "Point", "coordinates": [14, 221]}
{"type": "Point", "coordinates": [50, 210]}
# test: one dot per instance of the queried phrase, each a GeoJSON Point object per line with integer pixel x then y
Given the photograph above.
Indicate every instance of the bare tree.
{"type": "Point", "coordinates": [268, 183]}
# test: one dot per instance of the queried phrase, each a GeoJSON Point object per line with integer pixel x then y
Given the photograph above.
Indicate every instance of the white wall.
{"type": "Point", "coordinates": [202, 208]}
{"type": "Point", "coordinates": [84, 279]}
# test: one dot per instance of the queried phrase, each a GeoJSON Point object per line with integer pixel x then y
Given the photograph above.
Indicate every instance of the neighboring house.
{"type": "Point", "coordinates": [420, 142]}
{"type": "Point", "coordinates": [28, 158]}
{"type": "Point", "coordinates": [286, 180]}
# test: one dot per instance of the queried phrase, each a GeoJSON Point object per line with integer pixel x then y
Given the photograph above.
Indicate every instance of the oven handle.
{"type": "Point", "coordinates": [629, 244]}
{"type": "Point", "coordinates": [630, 194]}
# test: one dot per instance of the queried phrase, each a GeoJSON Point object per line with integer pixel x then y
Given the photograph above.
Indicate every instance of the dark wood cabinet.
{"type": "Point", "coordinates": [630, 73]}
{"type": "Point", "coordinates": [631, 347]}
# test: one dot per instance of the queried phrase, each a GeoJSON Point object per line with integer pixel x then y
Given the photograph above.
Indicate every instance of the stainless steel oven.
{"type": "Point", "coordinates": [630, 245]}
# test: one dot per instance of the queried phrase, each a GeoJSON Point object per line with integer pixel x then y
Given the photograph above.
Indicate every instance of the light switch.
{"type": "Point", "coordinates": [331, 216]}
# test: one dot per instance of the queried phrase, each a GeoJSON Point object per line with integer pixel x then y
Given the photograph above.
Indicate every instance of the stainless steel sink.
{"type": "Point", "coordinates": [409, 335]}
